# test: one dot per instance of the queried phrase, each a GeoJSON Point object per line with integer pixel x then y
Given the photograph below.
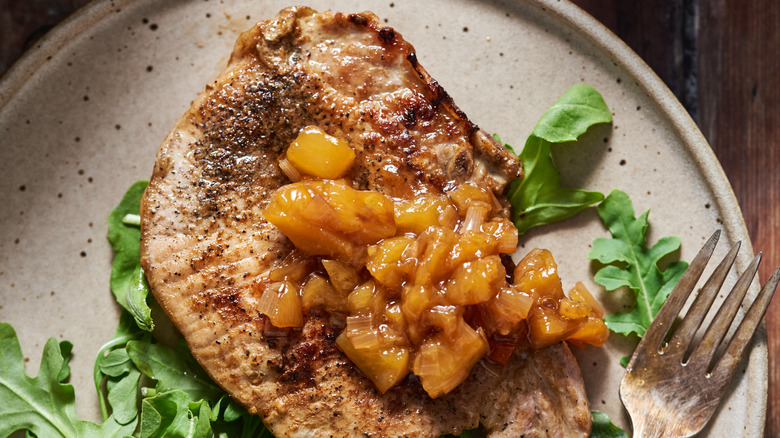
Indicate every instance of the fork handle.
{"type": "Point", "coordinates": [662, 427]}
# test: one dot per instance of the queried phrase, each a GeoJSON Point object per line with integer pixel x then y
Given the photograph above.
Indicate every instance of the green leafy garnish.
{"type": "Point", "coordinates": [603, 427]}
{"type": "Point", "coordinates": [538, 198]}
{"type": "Point", "coordinates": [43, 405]}
{"type": "Point", "coordinates": [629, 263]}
{"type": "Point", "coordinates": [173, 369]}
{"type": "Point", "coordinates": [128, 281]}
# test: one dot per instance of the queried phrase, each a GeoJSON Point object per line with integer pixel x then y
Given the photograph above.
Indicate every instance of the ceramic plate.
{"type": "Point", "coordinates": [82, 115]}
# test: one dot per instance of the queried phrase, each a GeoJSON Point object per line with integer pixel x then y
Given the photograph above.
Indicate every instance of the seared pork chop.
{"type": "Point", "coordinates": [205, 242]}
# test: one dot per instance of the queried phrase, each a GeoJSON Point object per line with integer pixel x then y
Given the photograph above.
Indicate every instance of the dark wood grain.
{"type": "Point", "coordinates": [739, 101]}
{"type": "Point", "coordinates": [720, 58]}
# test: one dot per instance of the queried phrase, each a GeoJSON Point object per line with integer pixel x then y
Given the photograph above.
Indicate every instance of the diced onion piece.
{"type": "Point", "coordinates": [508, 309]}
{"type": "Point", "coordinates": [282, 305]}
{"type": "Point", "coordinates": [446, 318]}
{"type": "Point", "coordinates": [495, 203]}
{"type": "Point", "coordinates": [289, 170]}
{"type": "Point", "coordinates": [475, 217]}
{"type": "Point", "coordinates": [448, 218]}
{"type": "Point", "coordinates": [269, 300]}
{"type": "Point", "coordinates": [320, 155]}
{"type": "Point", "coordinates": [507, 243]}
{"type": "Point", "coordinates": [361, 331]}
{"type": "Point", "coordinates": [427, 363]}
{"type": "Point", "coordinates": [581, 293]}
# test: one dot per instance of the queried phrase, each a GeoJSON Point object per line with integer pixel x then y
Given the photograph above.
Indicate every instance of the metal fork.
{"type": "Point", "coordinates": [671, 389]}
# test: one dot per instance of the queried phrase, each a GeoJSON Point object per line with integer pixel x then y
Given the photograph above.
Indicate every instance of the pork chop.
{"type": "Point", "coordinates": [205, 241]}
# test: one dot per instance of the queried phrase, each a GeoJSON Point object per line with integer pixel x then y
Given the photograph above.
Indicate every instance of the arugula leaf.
{"type": "Point", "coordinates": [171, 414]}
{"type": "Point", "coordinates": [113, 364]}
{"type": "Point", "coordinates": [538, 198]}
{"type": "Point", "coordinates": [43, 405]}
{"type": "Point", "coordinates": [173, 369]}
{"type": "Point", "coordinates": [631, 264]}
{"type": "Point", "coordinates": [603, 427]}
{"type": "Point", "coordinates": [128, 283]}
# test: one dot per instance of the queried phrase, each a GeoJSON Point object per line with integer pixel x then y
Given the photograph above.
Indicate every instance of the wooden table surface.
{"type": "Point", "coordinates": [720, 58]}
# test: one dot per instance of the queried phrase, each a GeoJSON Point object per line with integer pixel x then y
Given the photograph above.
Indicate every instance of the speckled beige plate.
{"type": "Point", "coordinates": [82, 115]}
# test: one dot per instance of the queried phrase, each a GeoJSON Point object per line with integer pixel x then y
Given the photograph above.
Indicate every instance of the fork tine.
{"type": "Point", "coordinates": [701, 305]}
{"type": "Point", "coordinates": [703, 353]}
{"type": "Point", "coordinates": [651, 341]}
{"type": "Point", "coordinates": [727, 364]}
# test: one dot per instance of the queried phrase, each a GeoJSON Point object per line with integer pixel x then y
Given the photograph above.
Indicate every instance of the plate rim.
{"type": "Point", "coordinates": [598, 36]}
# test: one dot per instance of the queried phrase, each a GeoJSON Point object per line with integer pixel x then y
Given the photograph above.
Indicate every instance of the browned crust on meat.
{"type": "Point", "coordinates": [206, 248]}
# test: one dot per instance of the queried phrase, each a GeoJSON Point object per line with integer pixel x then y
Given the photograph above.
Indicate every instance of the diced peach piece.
{"type": "Point", "coordinates": [384, 260]}
{"type": "Point", "coordinates": [434, 262]}
{"type": "Point", "coordinates": [573, 309]}
{"type": "Point", "coordinates": [416, 215]}
{"type": "Point", "coordinates": [593, 332]}
{"type": "Point", "coordinates": [395, 317]}
{"type": "Point", "coordinates": [281, 303]}
{"type": "Point", "coordinates": [384, 364]}
{"type": "Point", "coordinates": [320, 155]}
{"type": "Point", "coordinates": [472, 245]}
{"type": "Point", "coordinates": [442, 364]}
{"type": "Point", "coordinates": [329, 218]}
{"type": "Point", "coordinates": [547, 327]}
{"type": "Point", "coordinates": [416, 300]}
{"type": "Point", "coordinates": [365, 216]}
{"type": "Point", "coordinates": [504, 232]}
{"type": "Point", "coordinates": [537, 274]}
{"type": "Point", "coordinates": [581, 293]}
{"type": "Point", "coordinates": [362, 299]}
{"type": "Point", "coordinates": [318, 292]}
{"type": "Point", "coordinates": [475, 282]}
{"type": "Point", "coordinates": [342, 276]}
{"type": "Point", "coordinates": [468, 195]}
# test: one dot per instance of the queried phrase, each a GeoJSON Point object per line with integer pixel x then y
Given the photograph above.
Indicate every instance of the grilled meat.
{"type": "Point", "coordinates": [205, 243]}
